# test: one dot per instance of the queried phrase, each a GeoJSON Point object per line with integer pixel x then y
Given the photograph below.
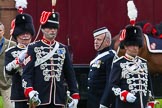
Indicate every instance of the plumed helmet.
{"type": "Point", "coordinates": [49, 20]}
{"type": "Point", "coordinates": [23, 23]}
{"type": "Point", "coordinates": [133, 36]}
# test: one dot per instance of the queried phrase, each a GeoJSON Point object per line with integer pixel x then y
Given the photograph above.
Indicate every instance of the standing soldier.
{"type": "Point", "coordinates": [129, 78]}
{"type": "Point", "coordinates": [5, 87]}
{"type": "Point", "coordinates": [100, 68]}
{"type": "Point", "coordinates": [47, 68]}
{"type": "Point", "coordinates": [22, 33]}
{"type": "Point", "coordinates": [22, 30]}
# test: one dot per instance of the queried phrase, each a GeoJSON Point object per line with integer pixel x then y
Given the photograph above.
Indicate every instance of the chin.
{"type": "Point", "coordinates": [50, 37]}
{"type": "Point", "coordinates": [134, 55]}
{"type": "Point", "coordinates": [95, 48]}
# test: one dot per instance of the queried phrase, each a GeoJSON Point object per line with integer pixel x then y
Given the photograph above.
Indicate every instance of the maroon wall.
{"type": "Point", "coordinates": [80, 17]}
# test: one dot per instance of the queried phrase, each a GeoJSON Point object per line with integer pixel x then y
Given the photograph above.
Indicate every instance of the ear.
{"type": "Point", "coordinates": [108, 42]}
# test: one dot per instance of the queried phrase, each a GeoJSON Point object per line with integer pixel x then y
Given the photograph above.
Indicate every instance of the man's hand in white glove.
{"type": "Point", "coordinates": [73, 103]}
{"type": "Point", "coordinates": [22, 56]}
{"type": "Point", "coordinates": [102, 106]}
{"type": "Point", "coordinates": [130, 98]}
{"type": "Point", "coordinates": [13, 65]}
{"type": "Point", "coordinates": [127, 96]}
{"type": "Point", "coordinates": [34, 99]}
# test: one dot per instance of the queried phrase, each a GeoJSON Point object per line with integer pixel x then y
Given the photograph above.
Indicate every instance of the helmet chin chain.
{"type": "Point", "coordinates": [49, 35]}
{"type": "Point", "coordinates": [101, 43]}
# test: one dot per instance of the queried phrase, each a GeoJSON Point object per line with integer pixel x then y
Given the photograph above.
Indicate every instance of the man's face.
{"type": "Point", "coordinates": [24, 38]}
{"type": "Point", "coordinates": [132, 50]}
{"type": "Point", "coordinates": [1, 31]}
{"type": "Point", "coordinates": [50, 33]}
{"type": "Point", "coordinates": [100, 42]}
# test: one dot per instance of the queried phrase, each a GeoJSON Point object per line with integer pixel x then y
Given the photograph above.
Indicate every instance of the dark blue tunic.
{"type": "Point", "coordinates": [131, 75]}
{"type": "Point", "coordinates": [98, 78]}
{"type": "Point", "coordinates": [49, 77]}
{"type": "Point", "coordinates": [17, 91]}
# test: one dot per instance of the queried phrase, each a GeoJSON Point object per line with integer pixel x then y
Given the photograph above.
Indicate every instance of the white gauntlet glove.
{"type": "Point", "coordinates": [22, 56]}
{"type": "Point", "coordinates": [12, 65]}
{"type": "Point", "coordinates": [73, 103]}
{"type": "Point", "coordinates": [102, 106]}
{"type": "Point", "coordinates": [16, 63]}
{"type": "Point", "coordinates": [127, 96]}
{"type": "Point", "coordinates": [34, 99]}
{"type": "Point", "coordinates": [130, 98]}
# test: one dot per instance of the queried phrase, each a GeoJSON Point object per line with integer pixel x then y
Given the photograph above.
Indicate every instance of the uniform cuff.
{"type": "Point", "coordinates": [76, 96]}
{"type": "Point", "coordinates": [27, 91]}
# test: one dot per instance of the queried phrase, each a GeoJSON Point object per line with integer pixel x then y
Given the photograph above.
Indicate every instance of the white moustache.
{"type": "Point", "coordinates": [26, 38]}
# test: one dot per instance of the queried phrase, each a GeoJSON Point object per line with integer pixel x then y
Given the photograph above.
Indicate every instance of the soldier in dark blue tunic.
{"type": "Point", "coordinates": [22, 33]}
{"type": "Point", "coordinates": [129, 78]}
{"type": "Point", "coordinates": [48, 68]}
{"type": "Point", "coordinates": [100, 68]}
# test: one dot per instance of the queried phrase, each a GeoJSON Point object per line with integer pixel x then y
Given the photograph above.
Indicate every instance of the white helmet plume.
{"type": "Point", "coordinates": [53, 5]}
{"type": "Point", "coordinates": [132, 11]}
{"type": "Point", "coordinates": [20, 4]}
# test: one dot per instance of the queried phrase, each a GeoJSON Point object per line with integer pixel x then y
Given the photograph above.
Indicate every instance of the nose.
{"type": "Point", "coordinates": [25, 34]}
{"type": "Point", "coordinates": [95, 40]}
{"type": "Point", "coordinates": [135, 47]}
{"type": "Point", "coordinates": [53, 30]}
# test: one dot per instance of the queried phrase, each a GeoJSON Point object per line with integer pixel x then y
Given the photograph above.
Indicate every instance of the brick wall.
{"type": "Point", "coordinates": [7, 14]}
